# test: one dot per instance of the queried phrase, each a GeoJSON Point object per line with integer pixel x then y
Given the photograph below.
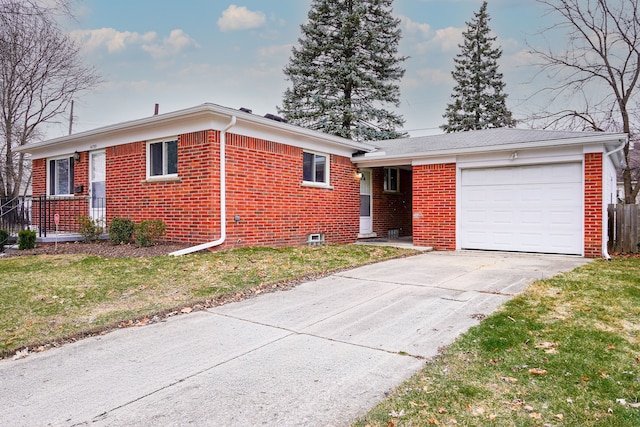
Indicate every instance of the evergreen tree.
{"type": "Point", "coordinates": [345, 70]}
{"type": "Point", "coordinates": [478, 96]}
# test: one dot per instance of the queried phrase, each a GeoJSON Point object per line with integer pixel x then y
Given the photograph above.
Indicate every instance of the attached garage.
{"type": "Point", "coordinates": [519, 190]}
{"type": "Point", "coordinates": [527, 208]}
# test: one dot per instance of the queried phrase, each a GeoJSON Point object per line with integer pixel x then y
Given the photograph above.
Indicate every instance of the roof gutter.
{"type": "Point", "coordinates": [223, 197]}
{"type": "Point", "coordinates": [605, 250]}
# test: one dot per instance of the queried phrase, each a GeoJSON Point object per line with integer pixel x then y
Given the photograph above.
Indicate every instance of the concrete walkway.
{"type": "Point", "coordinates": [321, 354]}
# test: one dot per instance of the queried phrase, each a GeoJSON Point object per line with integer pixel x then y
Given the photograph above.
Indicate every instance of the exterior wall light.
{"type": "Point", "coordinates": [76, 156]}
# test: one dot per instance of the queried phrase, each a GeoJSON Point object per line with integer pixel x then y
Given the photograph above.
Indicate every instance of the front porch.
{"type": "Point", "coordinates": [386, 200]}
{"type": "Point", "coordinates": [53, 218]}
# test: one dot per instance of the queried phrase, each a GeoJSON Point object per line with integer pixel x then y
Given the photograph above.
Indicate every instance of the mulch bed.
{"type": "Point", "coordinates": [102, 248]}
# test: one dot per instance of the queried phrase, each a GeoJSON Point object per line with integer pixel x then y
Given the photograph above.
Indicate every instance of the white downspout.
{"type": "Point", "coordinates": [223, 198]}
{"type": "Point", "coordinates": [605, 250]}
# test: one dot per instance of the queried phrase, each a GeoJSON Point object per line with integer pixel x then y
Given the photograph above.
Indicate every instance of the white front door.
{"type": "Point", "coordinates": [366, 222]}
{"type": "Point", "coordinates": [97, 187]}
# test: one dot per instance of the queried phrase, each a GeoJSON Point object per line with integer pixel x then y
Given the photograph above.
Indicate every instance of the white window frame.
{"type": "Point", "coordinates": [327, 170]}
{"type": "Point", "coordinates": [165, 165]}
{"type": "Point", "coordinates": [50, 191]}
{"type": "Point", "coordinates": [387, 180]}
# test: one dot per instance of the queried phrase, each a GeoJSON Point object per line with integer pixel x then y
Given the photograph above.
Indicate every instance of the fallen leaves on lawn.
{"type": "Point", "coordinates": [537, 371]}
{"type": "Point", "coordinates": [395, 414]}
{"type": "Point", "coordinates": [509, 380]}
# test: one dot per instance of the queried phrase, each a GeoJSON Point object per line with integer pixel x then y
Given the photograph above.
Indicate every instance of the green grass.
{"type": "Point", "coordinates": [580, 330]}
{"type": "Point", "coordinates": [45, 299]}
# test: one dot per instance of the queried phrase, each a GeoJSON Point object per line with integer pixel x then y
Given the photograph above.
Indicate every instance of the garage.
{"type": "Point", "coordinates": [536, 208]}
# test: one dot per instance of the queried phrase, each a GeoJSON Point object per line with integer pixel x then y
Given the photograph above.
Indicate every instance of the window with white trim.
{"type": "Point", "coordinates": [162, 159]}
{"type": "Point", "coordinates": [392, 180]}
{"type": "Point", "coordinates": [315, 168]}
{"type": "Point", "coordinates": [61, 176]}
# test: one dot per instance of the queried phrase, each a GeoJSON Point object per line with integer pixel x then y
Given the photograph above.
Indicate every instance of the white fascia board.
{"type": "Point", "coordinates": [380, 163]}
{"type": "Point", "coordinates": [202, 117]}
{"type": "Point", "coordinates": [435, 160]}
{"type": "Point", "coordinates": [422, 157]}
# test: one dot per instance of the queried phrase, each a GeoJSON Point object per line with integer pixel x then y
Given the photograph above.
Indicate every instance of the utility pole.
{"type": "Point", "coordinates": [71, 119]}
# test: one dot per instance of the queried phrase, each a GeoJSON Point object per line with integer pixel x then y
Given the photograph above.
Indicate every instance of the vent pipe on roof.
{"type": "Point", "coordinates": [156, 110]}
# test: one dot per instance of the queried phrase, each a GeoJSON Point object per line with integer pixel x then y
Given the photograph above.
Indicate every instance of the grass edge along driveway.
{"type": "Point", "coordinates": [49, 299]}
{"type": "Point", "coordinates": [566, 352]}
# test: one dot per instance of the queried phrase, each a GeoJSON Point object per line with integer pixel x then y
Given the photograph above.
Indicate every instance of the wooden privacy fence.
{"type": "Point", "coordinates": [623, 228]}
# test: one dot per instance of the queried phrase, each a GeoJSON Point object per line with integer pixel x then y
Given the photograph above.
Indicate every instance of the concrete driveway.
{"type": "Point", "coordinates": [321, 354]}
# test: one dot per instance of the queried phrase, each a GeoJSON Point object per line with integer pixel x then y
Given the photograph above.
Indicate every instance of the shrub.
{"type": "Point", "coordinates": [26, 239]}
{"type": "Point", "coordinates": [148, 232]}
{"type": "Point", "coordinates": [89, 228]}
{"type": "Point", "coordinates": [121, 230]}
{"type": "Point", "coordinates": [4, 238]}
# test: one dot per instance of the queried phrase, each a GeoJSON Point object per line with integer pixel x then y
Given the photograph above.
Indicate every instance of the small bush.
{"type": "Point", "coordinates": [121, 230]}
{"type": "Point", "coordinates": [26, 239]}
{"type": "Point", "coordinates": [4, 238]}
{"type": "Point", "coordinates": [89, 228]}
{"type": "Point", "coordinates": [148, 232]}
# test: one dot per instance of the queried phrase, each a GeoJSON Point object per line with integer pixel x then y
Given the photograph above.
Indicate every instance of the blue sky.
{"type": "Point", "coordinates": [181, 54]}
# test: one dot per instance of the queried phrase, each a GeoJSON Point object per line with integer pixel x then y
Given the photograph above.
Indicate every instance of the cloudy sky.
{"type": "Point", "coordinates": [183, 53]}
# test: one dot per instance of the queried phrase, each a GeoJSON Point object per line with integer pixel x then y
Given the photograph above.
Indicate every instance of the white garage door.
{"type": "Point", "coordinates": [524, 208]}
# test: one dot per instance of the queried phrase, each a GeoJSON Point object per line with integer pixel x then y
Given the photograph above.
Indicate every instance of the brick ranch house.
{"type": "Point", "coordinates": [220, 177]}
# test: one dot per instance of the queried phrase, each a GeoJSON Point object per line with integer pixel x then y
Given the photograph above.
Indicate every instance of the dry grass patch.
{"type": "Point", "coordinates": [45, 299]}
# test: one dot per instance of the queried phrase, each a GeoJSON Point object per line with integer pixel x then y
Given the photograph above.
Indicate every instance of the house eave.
{"type": "Point", "coordinates": [204, 116]}
{"type": "Point", "coordinates": [373, 159]}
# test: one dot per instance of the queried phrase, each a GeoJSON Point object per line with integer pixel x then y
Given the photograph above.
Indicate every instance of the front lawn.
{"type": "Point", "coordinates": [46, 299]}
{"type": "Point", "coordinates": [565, 353]}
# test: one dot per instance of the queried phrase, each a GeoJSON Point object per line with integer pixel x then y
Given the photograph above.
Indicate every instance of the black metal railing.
{"type": "Point", "coordinates": [65, 214]}
{"type": "Point", "coordinates": [15, 214]}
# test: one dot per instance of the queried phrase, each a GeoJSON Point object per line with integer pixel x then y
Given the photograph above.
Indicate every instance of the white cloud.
{"type": "Point", "coordinates": [116, 41]}
{"type": "Point", "coordinates": [448, 39]}
{"type": "Point", "coordinates": [412, 27]}
{"type": "Point", "coordinates": [172, 45]}
{"type": "Point", "coordinates": [240, 18]}
{"type": "Point", "coordinates": [110, 38]}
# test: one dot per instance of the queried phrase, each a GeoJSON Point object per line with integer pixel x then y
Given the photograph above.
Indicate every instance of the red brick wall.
{"type": "Point", "coordinates": [264, 189]}
{"type": "Point", "coordinates": [434, 206]}
{"type": "Point", "coordinates": [391, 210]}
{"type": "Point", "coordinates": [593, 205]}
{"type": "Point", "coordinates": [189, 206]}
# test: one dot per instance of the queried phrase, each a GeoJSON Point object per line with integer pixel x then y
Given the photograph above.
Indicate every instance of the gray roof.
{"type": "Point", "coordinates": [480, 140]}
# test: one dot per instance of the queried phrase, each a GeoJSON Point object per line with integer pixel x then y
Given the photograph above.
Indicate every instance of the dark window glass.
{"type": "Point", "coordinates": [172, 157]}
{"type": "Point", "coordinates": [321, 164]}
{"type": "Point", "coordinates": [307, 167]}
{"type": "Point", "coordinates": [365, 205]}
{"type": "Point", "coordinates": [61, 176]}
{"type": "Point", "coordinates": [155, 157]}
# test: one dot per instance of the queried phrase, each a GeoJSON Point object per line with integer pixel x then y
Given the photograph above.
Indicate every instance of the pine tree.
{"type": "Point", "coordinates": [478, 97]}
{"type": "Point", "coordinates": [345, 70]}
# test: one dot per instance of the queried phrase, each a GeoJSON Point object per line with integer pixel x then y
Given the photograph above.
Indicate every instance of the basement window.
{"type": "Point", "coordinates": [162, 159]}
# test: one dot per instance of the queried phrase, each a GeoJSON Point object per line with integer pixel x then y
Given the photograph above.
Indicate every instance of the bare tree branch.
{"type": "Point", "coordinates": [601, 58]}
{"type": "Point", "coordinates": [40, 72]}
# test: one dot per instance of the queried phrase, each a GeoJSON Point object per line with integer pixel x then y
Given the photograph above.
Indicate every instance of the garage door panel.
{"type": "Point", "coordinates": [524, 208]}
